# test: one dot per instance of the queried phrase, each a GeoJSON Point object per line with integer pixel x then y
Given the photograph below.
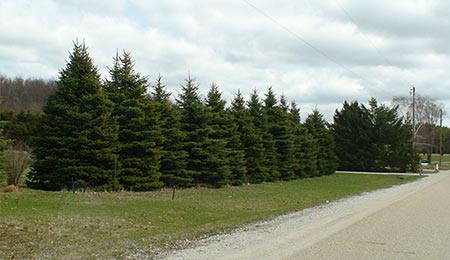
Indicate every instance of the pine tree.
{"type": "Point", "coordinates": [76, 142]}
{"type": "Point", "coordinates": [317, 126]}
{"type": "Point", "coordinates": [255, 153]}
{"type": "Point", "coordinates": [173, 157]}
{"type": "Point", "coordinates": [138, 126]}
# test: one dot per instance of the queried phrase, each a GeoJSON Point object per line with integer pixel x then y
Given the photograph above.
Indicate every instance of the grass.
{"type": "Point", "coordinates": [62, 225]}
{"type": "Point", "coordinates": [435, 159]}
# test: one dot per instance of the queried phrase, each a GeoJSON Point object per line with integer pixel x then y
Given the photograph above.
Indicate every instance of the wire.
{"type": "Point", "coordinates": [297, 36]}
{"type": "Point", "coordinates": [353, 21]}
{"type": "Point", "coordinates": [364, 35]}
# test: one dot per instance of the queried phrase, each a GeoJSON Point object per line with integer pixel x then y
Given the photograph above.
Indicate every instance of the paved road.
{"type": "Point", "coordinates": [415, 227]}
{"type": "Point", "coordinates": [410, 221]}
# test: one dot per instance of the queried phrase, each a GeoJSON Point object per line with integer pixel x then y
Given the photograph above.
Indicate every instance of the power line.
{"type": "Point", "coordinates": [364, 35]}
{"type": "Point", "coordinates": [297, 36]}
{"type": "Point", "coordinates": [380, 53]}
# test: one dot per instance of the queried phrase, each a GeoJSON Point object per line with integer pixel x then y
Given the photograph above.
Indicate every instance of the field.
{"type": "Point", "coordinates": [435, 159]}
{"type": "Point", "coordinates": [63, 225]}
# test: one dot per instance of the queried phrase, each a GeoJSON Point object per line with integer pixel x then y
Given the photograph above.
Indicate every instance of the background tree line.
{"type": "Point", "coordinates": [126, 133]}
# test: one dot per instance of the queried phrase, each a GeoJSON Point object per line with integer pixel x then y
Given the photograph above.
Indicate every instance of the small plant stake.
{"type": "Point", "coordinates": [173, 192]}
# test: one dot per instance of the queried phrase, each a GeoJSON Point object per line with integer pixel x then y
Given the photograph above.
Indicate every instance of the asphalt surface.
{"type": "Point", "coordinates": [415, 227]}
{"type": "Point", "coordinates": [410, 221]}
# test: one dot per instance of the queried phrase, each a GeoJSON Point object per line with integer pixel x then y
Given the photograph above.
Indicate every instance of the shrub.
{"type": "Point", "coordinates": [10, 188]}
{"type": "Point", "coordinates": [16, 163]}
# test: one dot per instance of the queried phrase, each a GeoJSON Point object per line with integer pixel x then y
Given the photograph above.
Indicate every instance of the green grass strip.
{"type": "Point", "coordinates": [62, 225]}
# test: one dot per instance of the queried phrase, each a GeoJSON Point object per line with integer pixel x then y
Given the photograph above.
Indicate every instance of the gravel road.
{"type": "Point", "coordinates": [410, 221]}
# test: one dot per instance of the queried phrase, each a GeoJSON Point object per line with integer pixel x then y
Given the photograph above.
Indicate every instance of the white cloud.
{"type": "Point", "coordinates": [381, 47]}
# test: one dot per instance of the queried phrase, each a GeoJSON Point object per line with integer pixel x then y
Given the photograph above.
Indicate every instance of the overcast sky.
{"type": "Point", "coordinates": [316, 53]}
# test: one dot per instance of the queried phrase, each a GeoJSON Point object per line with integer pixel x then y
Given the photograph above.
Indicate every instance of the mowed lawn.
{"type": "Point", "coordinates": [63, 225]}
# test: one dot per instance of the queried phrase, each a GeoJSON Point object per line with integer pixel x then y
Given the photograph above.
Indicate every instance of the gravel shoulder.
{"type": "Point", "coordinates": [291, 236]}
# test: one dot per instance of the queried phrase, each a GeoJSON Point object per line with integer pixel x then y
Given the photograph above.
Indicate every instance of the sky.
{"type": "Point", "coordinates": [316, 53]}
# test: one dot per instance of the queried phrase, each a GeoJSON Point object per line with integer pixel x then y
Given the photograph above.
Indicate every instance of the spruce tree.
{"type": "Point", "coordinates": [138, 126]}
{"type": "Point", "coordinates": [305, 150]}
{"type": "Point", "coordinates": [317, 126]}
{"type": "Point", "coordinates": [194, 128]}
{"type": "Point", "coordinates": [173, 157]}
{"type": "Point", "coordinates": [238, 127]}
{"type": "Point", "coordinates": [218, 163]}
{"type": "Point", "coordinates": [258, 169]}
{"type": "Point", "coordinates": [271, 129]}
{"type": "Point", "coordinates": [76, 141]}
{"type": "Point", "coordinates": [282, 133]}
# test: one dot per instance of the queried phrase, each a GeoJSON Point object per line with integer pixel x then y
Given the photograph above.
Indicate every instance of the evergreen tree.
{"type": "Point", "coordinates": [218, 163]}
{"type": "Point", "coordinates": [317, 126]}
{"type": "Point", "coordinates": [194, 116]}
{"type": "Point", "coordinates": [392, 148]}
{"type": "Point", "coordinates": [283, 135]}
{"type": "Point", "coordinates": [76, 141]}
{"type": "Point", "coordinates": [255, 153]}
{"type": "Point", "coordinates": [305, 149]}
{"type": "Point", "coordinates": [4, 143]}
{"type": "Point", "coordinates": [372, 139]}
{"type": "Point", "coordinates": [22, 128]}
{"type": "Point", "coordinates": [138, 126]}
{"type": "Point", "coordinates": [352, 134]}
{"type": "Point", "coordinates": [173, 157]}
{"type": "Point", "coordinates": [237, 126]}
{"type": "Point", "coordinates": [270, 128]}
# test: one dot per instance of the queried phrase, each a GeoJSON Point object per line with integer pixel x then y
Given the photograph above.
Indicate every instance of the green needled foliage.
{"type": "Point", "coordinates": [269, 123]}
{"type": "Point", "coordinates": [373, 139]}
{"type": "Point", "coordinates": [194, 128]}
{"type": "Point", "coordinates": [219, 162]}
{"type": "Point", "coordinates": [317, 126]}
{"type": "Point", "coordinates": [4, 143]}
{"type": "Point", "coordinates": [76, 140]}
{"type": "Point", "coordinates": [257, 164]}
{"type": "Point", "coordinates": [139, 155]}
{"type": "Point", "coordinates": [173, 164]}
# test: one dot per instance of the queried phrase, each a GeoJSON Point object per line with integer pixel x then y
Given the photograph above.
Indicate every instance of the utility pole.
{"type": "Point", "coordinates": [440, 140]}
{"type": "Point", "coordinates": [414, 115]}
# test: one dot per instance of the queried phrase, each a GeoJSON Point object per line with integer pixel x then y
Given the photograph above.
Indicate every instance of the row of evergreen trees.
{"type": "Point", "coordinates": [113, 135]}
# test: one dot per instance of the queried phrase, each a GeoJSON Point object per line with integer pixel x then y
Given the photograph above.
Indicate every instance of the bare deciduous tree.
{"type": "Point", "coordinates": [427, 113]}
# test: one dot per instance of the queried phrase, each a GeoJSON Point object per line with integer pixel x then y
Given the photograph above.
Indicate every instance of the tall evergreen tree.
{"type": "Point", "coordinates": [352, 134]}
{"type": "Point", "coordinates": [255, 153]}
{"type": "Point", "coordinates": [283, 134]}
{"type": "Point", "coordinates": [218, 163]}
{"type": "Point", "coordinates": [317, 126]}
{"type": "Point", "coordinates": [372, 139]}
{"type": "Point", "coordinates": [138, 126]}
{"type": "Point", "coordinates": [238, 127]}
{"type": "Point", "coordinates": [173, 157]}
{"type": "Point", "coordinates": [270, 128]}
{"type": "Point", "coordinates": [392, 148]}
{"type": "Point", "coordinates": [194, 116]}
{"type": "Point", "coordinates": [305, 149]}
{"type": "Point", "coordinates": [76, 142]}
